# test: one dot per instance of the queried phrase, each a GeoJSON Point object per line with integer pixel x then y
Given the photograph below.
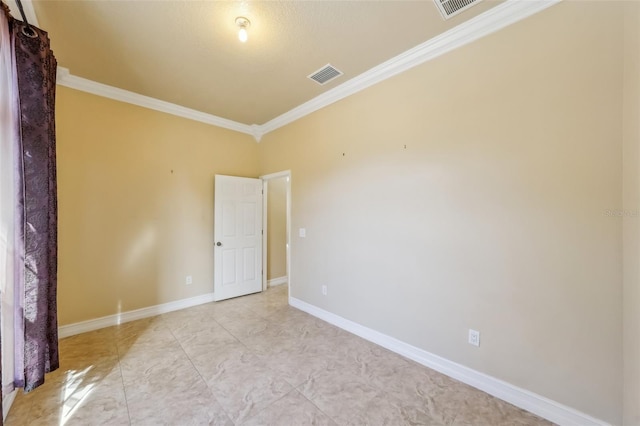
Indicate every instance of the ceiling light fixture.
{"type": "Point", "coordinates": [243, 23]}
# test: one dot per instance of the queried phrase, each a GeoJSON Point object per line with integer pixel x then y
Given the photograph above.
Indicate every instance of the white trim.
{"type": "Point", "coordinates": [7, 401]}
{"type": "Point", "coordinates": [29, 12]}
{"type": "Point", "coordinates": [496, 18]}
{"type": "Point", "coordinates": [277, 281]}
{"type": "Point", "coordinates": [277, 175]}
{"type": "Point", "coordinates": [265, 233]}
{"type": "Point", "coordinates": [65, 78]}
{"type": "Point", "coordinates": [110, 320]}
{"type": "Point", "coordinates": [534, 403]}
{"type": "Point", "coordinates": [257, 132]}
{"type": "Point", "coordinates": [266, 178]}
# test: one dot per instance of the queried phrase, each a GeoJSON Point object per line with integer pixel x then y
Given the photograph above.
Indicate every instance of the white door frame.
{"type": "Point", "coordinates": [265, 186]}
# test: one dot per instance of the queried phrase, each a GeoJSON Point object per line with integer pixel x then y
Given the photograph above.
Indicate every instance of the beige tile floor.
{"type": "Point", "coordinates": [252, 361]}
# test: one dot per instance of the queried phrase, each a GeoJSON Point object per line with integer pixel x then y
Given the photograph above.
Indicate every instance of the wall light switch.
{"type": "Point", "coordinates": [303, 232]}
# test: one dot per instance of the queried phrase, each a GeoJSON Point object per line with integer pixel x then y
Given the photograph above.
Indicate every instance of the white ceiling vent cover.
{"type": "Point", "coordinates": [325, 74]}
{"type": "Point", "coordinates": [449, 8]}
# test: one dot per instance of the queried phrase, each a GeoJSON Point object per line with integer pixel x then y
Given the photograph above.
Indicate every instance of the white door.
{"type": "Point", "coordinates": [238, 237]}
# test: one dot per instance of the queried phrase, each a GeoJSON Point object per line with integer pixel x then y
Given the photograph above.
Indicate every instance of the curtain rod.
{"type": "Point", "coordinates": [31, 32]}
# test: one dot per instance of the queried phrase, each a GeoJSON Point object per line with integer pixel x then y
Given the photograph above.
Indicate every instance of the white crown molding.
{"type": "Point", "coordinates": [110, 320]}
{"type": "Point", "coordinates": [257, 132]}
{"type": "Point", "coordinates": [532, 402]}
{"type": "Point", "coordinates": [65, 78]}
{"type": "Point", "coordinates": [505, 14]}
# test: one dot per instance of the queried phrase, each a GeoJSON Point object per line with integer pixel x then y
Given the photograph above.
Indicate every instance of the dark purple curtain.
{"type": "Point", "coordinates": [37, 341]}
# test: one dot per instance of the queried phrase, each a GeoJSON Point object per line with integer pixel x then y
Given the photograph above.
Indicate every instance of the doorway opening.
{"type": "Point", "coordinates": [277, 225]}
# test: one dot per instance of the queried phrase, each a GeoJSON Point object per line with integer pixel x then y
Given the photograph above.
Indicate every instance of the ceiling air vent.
{"type": "Point", "coordinates": [325, 74]}
{"type": "Point", "coordinates": [449, 8]}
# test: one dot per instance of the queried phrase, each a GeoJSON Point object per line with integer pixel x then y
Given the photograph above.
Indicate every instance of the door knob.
{"type": "Point", "coordinates": [219, 244]}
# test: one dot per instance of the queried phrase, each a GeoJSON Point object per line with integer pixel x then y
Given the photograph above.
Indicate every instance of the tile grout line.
{"type": "Point", "coordinates": [314, 404]}
{"type": "Point", "coordinates": [293, 388]}
{"type": "Point", "coordinates": [198, 371]}
{"type": "Point", "coordinates": [263, 318]}
{"type": "Point", "coordinates": [252, 351]}
{"type": "Point", "coordinates": [264, 408]}
{"type": "Point", "coordinates": [124, 388]}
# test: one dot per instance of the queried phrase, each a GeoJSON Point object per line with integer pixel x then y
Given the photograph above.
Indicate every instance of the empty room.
{"type": "Point", "coordinates": [320, 212]}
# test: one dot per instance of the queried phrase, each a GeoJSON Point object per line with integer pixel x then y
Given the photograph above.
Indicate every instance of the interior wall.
{"type": "Point", "coordinates": [135, 190]}
{"type": "Point", "coordinates": [630, 214]}
{"type": "Point", "coordinates": [277, 228]}
{"type": "Point", "coordinates": [474, 191]}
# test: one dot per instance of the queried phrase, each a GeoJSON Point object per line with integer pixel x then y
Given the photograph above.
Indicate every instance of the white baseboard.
{"type": "Point", "coordinates": [534, 403]}
{"type": "Point", "coordinates": [108, 321]}
{"type": "Point", "coordinates": [7, 402]}
{"type": "Point", "coordinates": [277, 281]}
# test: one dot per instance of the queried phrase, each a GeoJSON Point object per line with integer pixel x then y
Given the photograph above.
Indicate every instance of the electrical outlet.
{"type": "Point", "coordinates": [188, 280]}
{"type": "Point", "coordinates": [474, 337]}
{"type": "Point", "coordinates": [324, 290]}
{"type": "Point", "coordinates": [302, 232]}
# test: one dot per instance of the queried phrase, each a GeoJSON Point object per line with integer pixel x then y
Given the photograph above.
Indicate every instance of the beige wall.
{"type": "Point", "coordinates": [631, 218]}
{"type": "Point", "coordinates": [136, 203]}
{"type": "Point", "coordinates": [492, 217]}
{"type": "Point", "coordinates": [469, 192]}
{"type": "Point", "coordinates": [277, 228]}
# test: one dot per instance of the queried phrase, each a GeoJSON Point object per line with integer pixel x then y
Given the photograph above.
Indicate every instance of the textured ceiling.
{"type": "Point", "coordinates": [188, 53]}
